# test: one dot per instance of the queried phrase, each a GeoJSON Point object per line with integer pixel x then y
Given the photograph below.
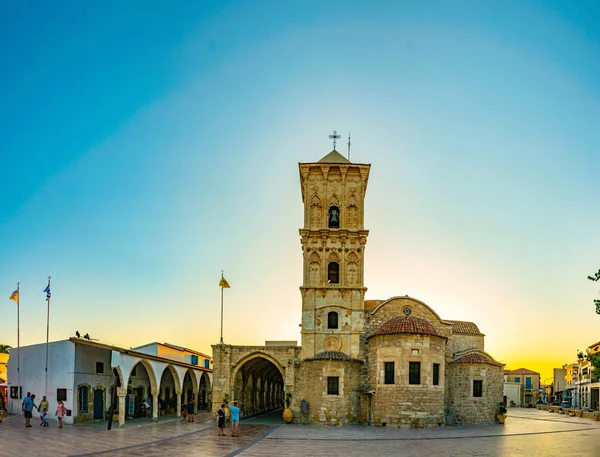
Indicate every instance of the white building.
{"type": "Point", "coordinates": [82, 373]}
{"type": "Point", "coordinates": [512, 392]}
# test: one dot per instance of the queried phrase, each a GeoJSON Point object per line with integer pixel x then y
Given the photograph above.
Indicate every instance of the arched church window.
{"type": "Point", "coordinates": [334, 217]}
{"type": "Point", "coordinates": [83, 399]}
{"type": "Point", "coordinates": [333, 273]}
{"type": "Point", "coordinates": [332, 319]}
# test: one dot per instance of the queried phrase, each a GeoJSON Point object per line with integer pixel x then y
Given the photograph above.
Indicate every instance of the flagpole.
{"type": "Point", "coordinates": [221, 309]}
{"type": "Point", "coordinates": [18, 344]}
{"type": "Point", "coordinates": [47, 332]}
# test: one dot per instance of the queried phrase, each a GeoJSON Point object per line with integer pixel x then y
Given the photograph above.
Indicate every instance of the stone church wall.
{"type": "Point", "coordinates": [329, 409]}
{"type": "Point", "coordinates": [459, 342]}
{"type": "Point", "coordinates": [401, 404]}
{"type": "Point", "coordinates": [393, 308]}
{"type": "Point", "coordinates": [463, 406]}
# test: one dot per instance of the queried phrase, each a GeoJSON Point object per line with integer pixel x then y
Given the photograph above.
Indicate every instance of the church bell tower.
{"type": "Point", "coordinates": [333, 245]}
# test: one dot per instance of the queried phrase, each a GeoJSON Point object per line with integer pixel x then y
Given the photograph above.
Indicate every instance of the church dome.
{"type": "Point", "coordinates": [333, 355]}
{"type": "Point", "coordinates": [407, 324]}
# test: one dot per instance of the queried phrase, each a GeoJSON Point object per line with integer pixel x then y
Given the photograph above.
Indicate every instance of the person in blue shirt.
{"type": "Point", "coordinates": [28, 406]}
{"type": "Point", "coordinates": [235, 419]}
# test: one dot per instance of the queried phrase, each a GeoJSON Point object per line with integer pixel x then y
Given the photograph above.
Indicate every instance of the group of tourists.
{"type": "Point", "coordinates": [234, 410]}
{"type": "Point", "coordinates": [29, 403]}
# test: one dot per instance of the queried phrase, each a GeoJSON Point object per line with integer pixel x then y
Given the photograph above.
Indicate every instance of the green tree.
{"type": "Point", "coordinates": [5, 348]}
{"type": "Point", "coordinates": [596, 277]}
{"type": "Point", "coordinates": [595, 360]}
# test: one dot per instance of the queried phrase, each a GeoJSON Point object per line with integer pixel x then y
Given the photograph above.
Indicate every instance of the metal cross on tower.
{"type": "Point", "coordinates": [334, 137]}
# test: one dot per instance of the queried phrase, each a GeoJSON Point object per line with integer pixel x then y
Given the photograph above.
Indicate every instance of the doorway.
{"type": "Point", "coordinates": [98, 404]}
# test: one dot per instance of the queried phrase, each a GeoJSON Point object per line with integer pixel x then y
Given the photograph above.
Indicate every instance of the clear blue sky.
{"type": "Point", "coordinates": [147, 145]}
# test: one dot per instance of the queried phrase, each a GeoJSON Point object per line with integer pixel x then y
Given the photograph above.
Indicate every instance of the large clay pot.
{"type": "Point", "coordinates": [501, 418]}
{"type": "Point", "coordinates": [287, 416]}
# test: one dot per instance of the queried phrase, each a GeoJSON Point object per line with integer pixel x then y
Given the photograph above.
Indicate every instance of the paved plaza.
{"type": "Point", "coordinates": [527, 433]}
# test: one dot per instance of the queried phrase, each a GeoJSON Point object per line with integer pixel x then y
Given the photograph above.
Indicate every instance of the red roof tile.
{"type": "Point", "coordinates": [407, 324]}
{"type": "Point", "coordinates": [465, 328]}
{"type": "Point", "coordinates": [475, 357]}
{"type": "Point", "coordinates": [521, 371]}
{"type": "Point", "coordinates": [332, 355]}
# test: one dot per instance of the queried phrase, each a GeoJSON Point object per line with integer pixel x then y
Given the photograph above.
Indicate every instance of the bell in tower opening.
{"type": "Point", "coordinates": [334, 217]}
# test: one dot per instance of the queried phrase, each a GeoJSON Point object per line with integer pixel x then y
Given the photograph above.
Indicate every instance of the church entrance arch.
{"type": "Point", "coordinates": [203, 392]}
{"type": "Point", "coordinates": [141, 383]}
{"type": "Point", "coordinates": [258, 385]}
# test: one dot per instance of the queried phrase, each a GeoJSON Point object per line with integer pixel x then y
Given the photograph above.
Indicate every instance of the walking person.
{"type": "Point", "coordinates": [60, 412]}
{"type": "Point", "coordinates": [191, 410]}
{"type": "Point", "coordinates": [28, 405]}
{"type": "Point", "coordinates": [235, 419]}
{"type": "Point", "coordinates": [221, 420]}
{"type": "Point", "coordinates": [43, 407]}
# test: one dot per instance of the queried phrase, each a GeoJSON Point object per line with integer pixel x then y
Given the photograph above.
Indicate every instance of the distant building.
{"type": "Point", "coordinates": [523, 383]}
{"type": "Point", "coordinates": [594, 386]}
{"type": "Point", "coordinates": [82, 374]}
{"type": "Point", "coordinates": [3, 371]}
{"type": "Point", "coordinates": [571, 380]}
{"type": "Point", "coordinates": [559, 385]}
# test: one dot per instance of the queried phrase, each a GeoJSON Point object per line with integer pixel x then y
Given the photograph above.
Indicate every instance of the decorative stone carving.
{"type": "Point", "coordinates": [332, 343]}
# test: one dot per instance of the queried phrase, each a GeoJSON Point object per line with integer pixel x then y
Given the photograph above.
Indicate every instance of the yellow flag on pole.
{"type": "Point", "coordinates": [15, 296]}
{"type": "Point", "coordinates": [224, 284]}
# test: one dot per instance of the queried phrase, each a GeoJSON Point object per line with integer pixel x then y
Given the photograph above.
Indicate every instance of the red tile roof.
{"type": "Point", "coordinates": [465, 328]}
{"type": "Point", "coordinates": [594, 345]}
{"type": "Point", "coordinates": [332, 355]}
{"type": "Point", "coordinates": [521, 371]}
{"type": "Point", "coordinates": [476, 357]}
{"type": "Point", "coordinates": [407, 324]}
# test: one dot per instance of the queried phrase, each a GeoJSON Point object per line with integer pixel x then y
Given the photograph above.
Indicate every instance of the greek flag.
{"type": "Point", "coordinates": [47, 290]}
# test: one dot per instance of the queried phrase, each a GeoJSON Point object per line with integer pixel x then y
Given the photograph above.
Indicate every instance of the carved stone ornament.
{"type": "Point", "coordinates": [332, 343]}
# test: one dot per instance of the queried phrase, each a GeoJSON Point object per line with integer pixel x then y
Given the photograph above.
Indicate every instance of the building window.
{"type": "Point", "coordinates": [334, 217]}
{"type": "Point", "coordinates": [436, 374]}
{"type": "Point", "coordinates": [478, 388]}
{"type": "Point", "coordinates": [389, 368]}
{"type": "Point", "coordinates": [206, 363]}
{"type": "Point", "coordinates": [194, 359]}
{"type": "Point", "coordinates": [99, 367]}
{"type": "Point", "coordinates": [83, 399]}
{"type": "Point", "coordinates": [333, 273]}
{"type": "Point", "coordinates": [14, 392]}
{"type": "Point", "coordinates": [333, 385]}
{"type": "Point", "coordinates": [61, 394]}
{"type": "Point", "coordinates": [517, 379]}
{"type": "Point", "coordinates": [332, 319]}
{"type": "Point", "coordinates": [527, 383]}
{"type": "Point", "coordinates": [414, 372]}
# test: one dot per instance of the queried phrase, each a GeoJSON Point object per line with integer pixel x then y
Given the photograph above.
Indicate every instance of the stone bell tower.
{"type": "Point", "coordinates": [333, 245]}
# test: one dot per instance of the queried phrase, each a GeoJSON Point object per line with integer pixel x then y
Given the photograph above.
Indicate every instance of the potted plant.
{"type": "Point", "coordinates": [288, 415]}
{"type": "Point", "coordinates": [501, 412]}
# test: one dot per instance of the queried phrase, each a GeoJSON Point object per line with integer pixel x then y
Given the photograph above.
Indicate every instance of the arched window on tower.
{"type": "Point", "coordinates": [333, 273]}
{"type": "Point", "coordinates": [332, 319]}
{"type": "Point", "coordinates": [334, 217]}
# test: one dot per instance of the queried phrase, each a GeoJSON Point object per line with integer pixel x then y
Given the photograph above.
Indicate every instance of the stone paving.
{"type": "Point", "coordinates": [526, 433]}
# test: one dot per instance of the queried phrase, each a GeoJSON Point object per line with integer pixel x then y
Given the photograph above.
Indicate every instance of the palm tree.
{"type": "Point", "coordinates": [5, 348]}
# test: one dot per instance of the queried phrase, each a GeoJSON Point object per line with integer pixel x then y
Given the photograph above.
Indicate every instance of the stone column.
{"type": "Point", "coordinates": [121, 393]}
{"type": "Point", "coordinates": [154, 406]}
{"type": "Point", "coordinates": [179, 404]}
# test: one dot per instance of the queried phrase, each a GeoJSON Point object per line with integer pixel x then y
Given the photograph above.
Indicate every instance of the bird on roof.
{"type": "Point", "coordinates": [78, 334]}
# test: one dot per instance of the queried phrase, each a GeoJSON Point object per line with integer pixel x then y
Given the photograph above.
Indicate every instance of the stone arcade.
{"type": "Point", "coordinates": [388, 362]}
